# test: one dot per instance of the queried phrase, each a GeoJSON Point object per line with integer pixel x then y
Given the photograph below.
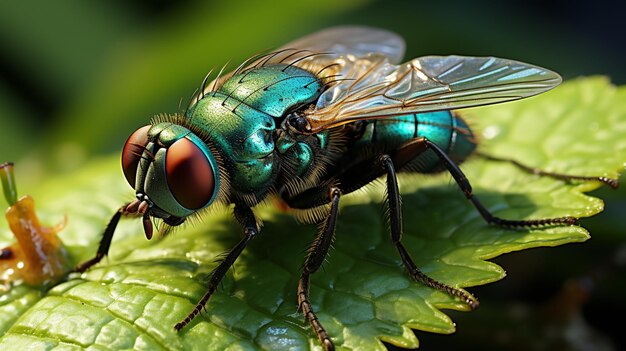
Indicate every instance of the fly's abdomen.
{"type": "Point", "coordinates": [444, 128]}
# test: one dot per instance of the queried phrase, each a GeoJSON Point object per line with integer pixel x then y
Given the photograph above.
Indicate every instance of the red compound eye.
{"type": "Point", "coordinates": [189, 174]}
{"type": "Point", "coordinates": [133, 149]}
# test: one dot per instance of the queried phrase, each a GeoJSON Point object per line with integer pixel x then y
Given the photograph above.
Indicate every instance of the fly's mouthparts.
{"type": "Point", "coordinates": [144, 209]}
{"type": "Point", "coordinates": [141, 206]}
{"type": "Point", "coordinates": [132, 207]}
{"type": "Point", "coordinates": [147, 225]}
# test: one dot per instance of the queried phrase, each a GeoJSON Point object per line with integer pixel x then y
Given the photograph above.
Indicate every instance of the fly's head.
{"type": "Point", "coordinates": [173, 172]}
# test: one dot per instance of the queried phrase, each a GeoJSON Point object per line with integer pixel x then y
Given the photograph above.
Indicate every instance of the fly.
{"type": "Point", "coordinates": [319, 118]}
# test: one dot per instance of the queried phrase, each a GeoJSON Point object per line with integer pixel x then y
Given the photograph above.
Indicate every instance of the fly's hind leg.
{"type": "Point", "coordinates": [407, 152]}
{"type": "Point", "coordinates": [394, 204]}
{"type": "Point", "coordinates": [613, 183]}
{"type": "Point", "coordinates": [465, 186]}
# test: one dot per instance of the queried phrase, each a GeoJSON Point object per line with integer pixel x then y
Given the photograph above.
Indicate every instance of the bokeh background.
{"type": "Point", "coordinates": [77, 77]}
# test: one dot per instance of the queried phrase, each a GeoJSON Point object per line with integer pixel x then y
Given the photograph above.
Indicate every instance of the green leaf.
{"type": "Point", "coordinates": [362, 296]}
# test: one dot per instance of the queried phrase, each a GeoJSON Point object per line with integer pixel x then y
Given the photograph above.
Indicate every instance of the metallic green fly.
{"type": "Point", "coordinates": [319, 118]}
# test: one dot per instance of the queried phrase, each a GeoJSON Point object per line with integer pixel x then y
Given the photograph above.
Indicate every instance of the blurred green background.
{"type": "Point", "coordinates": [77, 77]}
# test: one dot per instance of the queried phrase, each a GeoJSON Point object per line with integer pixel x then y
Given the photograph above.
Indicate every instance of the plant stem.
{"type": "Point", "coordinates": [8, 182]}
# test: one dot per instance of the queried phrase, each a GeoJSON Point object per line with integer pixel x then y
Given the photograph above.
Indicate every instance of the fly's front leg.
{"type": "Point", "coordinates": [137, 207]}
{"type": "Point", "coordinates": [246, 218]}
{"type": "Point", "coordinates": [105, 242]}
{"type": "Point", "coordinates": [394, 204]}
{"type": "Point", "coordinates": [317, 254]}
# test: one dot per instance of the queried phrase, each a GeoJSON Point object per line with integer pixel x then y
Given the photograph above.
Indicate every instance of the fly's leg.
{"type": "Point", "coordinates": [329, 191]}
{"type": "Point", "coordinates": [465, 186]}
{"type": "Point", "coordinates": [613, 183]}
{"type": "Point", "coordinates": [316, 255]}
{"type": "Point", "coordinates": [246, 218]}
{"type": "Point", "coordinates": [105, 242]}
{"type": "Point", "coordinates": [395, 223]}
{"type": "Point", "coordinates": [137, 207]}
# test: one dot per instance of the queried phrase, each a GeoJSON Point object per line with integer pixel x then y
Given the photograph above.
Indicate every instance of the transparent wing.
{"type": "Point", "coordinates": [352, 40]}
{"type": "Point", "coordinates": [373, 87]}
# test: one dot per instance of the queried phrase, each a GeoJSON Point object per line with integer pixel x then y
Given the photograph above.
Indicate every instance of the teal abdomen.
{"type": "Point", "coordinates": [443, 128]}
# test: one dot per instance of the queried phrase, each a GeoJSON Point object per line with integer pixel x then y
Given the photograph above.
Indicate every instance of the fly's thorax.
{"type": "Point", "coordinates": [274, 89]}
{"type": "Point", "coordinates": [301, 151]}
{"type": "Point", "coordinates": [244, 138]}
{"type": "Point", "coordinates": [240, 118]}
{"type": "Point", "coordinates": [172, 168]}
